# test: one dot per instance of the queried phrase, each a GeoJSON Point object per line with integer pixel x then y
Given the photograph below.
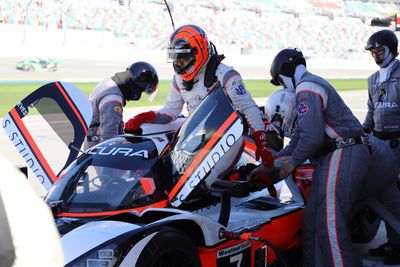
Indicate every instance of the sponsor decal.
{"type": "Point", "coordinates": [232, 250]}
{"type": "Point", "coordinates": [25, 151]}
{"type": "Point", "coordinates": [385, 105]}
{"type": "Point", "coordinates": [302, 109]}
{"type": "Point", "coordinates": [118, 109]}
{"type": "Point", "coordinates": [119, 151]}
{"type": "Point", "coordinates": [240, 89]}
{"type": "Point", "coordinates": [238, 255]}
{"type": "Point", "coordinates": [159, 139]}
{"type": "Point", "coordinates": [22, 109]}
{"type": "Point", "coordinates": [211, 159]}
{"type": "Point", "coordinates": [345, 142]}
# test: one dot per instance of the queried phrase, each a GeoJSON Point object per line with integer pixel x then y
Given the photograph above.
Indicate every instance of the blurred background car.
{"type": "Point", "coordinates": [38, 64]}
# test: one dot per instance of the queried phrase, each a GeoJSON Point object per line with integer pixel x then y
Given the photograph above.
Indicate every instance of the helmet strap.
{"type": "Point", "coordinates": [188, 85]}
{"type": "Point", "coordinates": [212, 65]}
{"type": "Point", "coordinates": [388, 57]}
{"type": "Point", "coordinates": [288, 82]}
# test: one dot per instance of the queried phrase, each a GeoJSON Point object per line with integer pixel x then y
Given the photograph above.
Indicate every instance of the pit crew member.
{"type": "Point", "coordinates": [345, 159]}
{"type": "Point", "coordinates": [383, 116]}
{"type": "Point", "coordinates": [110, 96]}
{"type": "Point", "coordinates": [197, 68]}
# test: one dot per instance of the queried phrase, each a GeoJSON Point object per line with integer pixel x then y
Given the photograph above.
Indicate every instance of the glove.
{"type": "Point", "coordinates": [261, 175]}
{"type": "Point", "coordinates": [260, 137]}
{"type": "Point", "coordinates": [135, 122]}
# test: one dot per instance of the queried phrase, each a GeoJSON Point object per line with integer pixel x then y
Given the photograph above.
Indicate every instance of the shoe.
{"type": "Point", "coordinates": [380, 251]}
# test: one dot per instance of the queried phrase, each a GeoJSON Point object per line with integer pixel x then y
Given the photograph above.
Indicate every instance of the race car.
{"type": "Point", "coordinates": [37, 64]}
{"type": "Point", "coordinates": [162, 198]}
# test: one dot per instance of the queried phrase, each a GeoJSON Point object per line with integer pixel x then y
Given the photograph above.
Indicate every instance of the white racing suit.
{"type": "Point", "coordinates": [107, 102]}
{"type": "Point", "coordinates": [383, 116]}
{"type": "Point", "coordinates": [233, 85]}
{"type": "Point", "coordinates": [346, 173]}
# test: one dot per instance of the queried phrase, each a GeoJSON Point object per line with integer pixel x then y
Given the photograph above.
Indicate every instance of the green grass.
{"type": "Point", "coordinates": [12, 93]}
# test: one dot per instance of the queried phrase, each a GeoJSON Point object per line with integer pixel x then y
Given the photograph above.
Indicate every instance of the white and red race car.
{"type": "Point", "coordinates": [165, 196]}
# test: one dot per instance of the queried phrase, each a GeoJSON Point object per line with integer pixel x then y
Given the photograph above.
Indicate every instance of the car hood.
{"type": "Point", "coordinates": [89, 236]}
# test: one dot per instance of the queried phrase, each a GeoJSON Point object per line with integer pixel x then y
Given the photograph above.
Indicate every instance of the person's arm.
{"type": "Point", "coordinates": [169, 112]}
{"type": "Point", "coordinates": [242, 100]}
{"type": "Point", "coordinates": [110, 108]}
{"type": "Point", "coordinates": [368, 124]}
{"type": "Point", "coordinates": [173, 105]}
{"type": "Point", "coordinates": [311, 99]}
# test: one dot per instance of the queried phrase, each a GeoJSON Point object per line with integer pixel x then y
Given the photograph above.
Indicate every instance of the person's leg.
{"type": "Point", "coordinates": [309, 221]}
{"type": "Point", "coordinates": [390, 198]}
{"type": "Point", "coordinates": [388, 194]}
{"type": "Point", "coordinates": [340, 178]}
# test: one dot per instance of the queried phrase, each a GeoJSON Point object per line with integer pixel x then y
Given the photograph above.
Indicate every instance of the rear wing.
{"type": "Point", "coordinates": [61, 111]}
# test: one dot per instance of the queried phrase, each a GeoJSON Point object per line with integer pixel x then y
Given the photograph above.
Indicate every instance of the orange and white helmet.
{"type": "Point", "coordinates": [189, 50]}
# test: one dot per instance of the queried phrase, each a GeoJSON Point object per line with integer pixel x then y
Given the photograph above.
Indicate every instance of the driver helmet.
{"type": "Point", "coordinates": [285, 63]}
{"type": "Point", "coordinates": [280, 111]}
{"type": "Point", "coordinates": [380, 44]}
{"type": "Point", "coordinates": [144, 78]}
{"type": "Point", "coordinates": [189, 50]}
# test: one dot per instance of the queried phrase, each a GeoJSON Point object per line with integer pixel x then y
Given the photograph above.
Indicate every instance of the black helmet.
{"type": "Point", "coordinates": [285, 63]}
{"type": "Point", "coordinates": [137, 78]}
{"type": "Point", "coordinates": [144, 76]}
{"type": "Point", "coordinates": [381, 38]}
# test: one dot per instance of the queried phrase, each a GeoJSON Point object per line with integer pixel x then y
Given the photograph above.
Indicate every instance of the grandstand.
{"type": "Point", "coordinates": [331, 28]}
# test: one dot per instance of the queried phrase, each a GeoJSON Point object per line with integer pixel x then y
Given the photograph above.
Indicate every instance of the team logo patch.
{"type": "Point", "coordinates": [302, 109]}
{"type": "Point", "coordinates": [118, 109]}
{"type": "Point", "coordinates": [240, 89]}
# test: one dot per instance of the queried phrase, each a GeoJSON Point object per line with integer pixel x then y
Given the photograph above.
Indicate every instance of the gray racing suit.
{"type": "Point", "coordinates": [233, 86]}
{"type": "Point", "coordinates": [343, 176]}
{"type": "Point", "coordinates": [107, 102]}
{"type": "Point", "coordinates": [383, 117]}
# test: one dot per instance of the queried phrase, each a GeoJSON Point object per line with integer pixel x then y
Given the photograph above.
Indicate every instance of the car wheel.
{"type": "Point", "coordinates": [365, 225]}
{"type": "Point", "coordinates": [169, 248]}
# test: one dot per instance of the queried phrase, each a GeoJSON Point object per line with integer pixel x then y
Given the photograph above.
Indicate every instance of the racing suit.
{"type": "Point", "coordinates": [383, 116]}
{"type": "Point", "coordinates": [233, 86]}
{"type": "Point", "coordinates": [107, 102]}
{"type": "Point", "coordinates": [344, 175]}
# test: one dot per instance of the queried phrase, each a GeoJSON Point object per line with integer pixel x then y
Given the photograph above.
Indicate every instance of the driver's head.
{"type": "Point", "coordinates": [189, 51]}
{"type": "Point", "coordinates": [383, 47]}
{"type": "Point", "coordinates": [284, 65]}
{"type": "Point", "coordinates": [143, 78]}
{"type": "Point", "coordinates": [280, 111]}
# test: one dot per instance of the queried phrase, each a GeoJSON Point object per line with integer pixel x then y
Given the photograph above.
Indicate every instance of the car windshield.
{"type": "Point", "coordinates": [97, 183]}
{"type": "Point", "coordinates": [106, 188]}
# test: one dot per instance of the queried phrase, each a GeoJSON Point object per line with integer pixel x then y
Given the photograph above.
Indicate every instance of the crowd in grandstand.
{"type": "Point", "coordinates": [335, 28]}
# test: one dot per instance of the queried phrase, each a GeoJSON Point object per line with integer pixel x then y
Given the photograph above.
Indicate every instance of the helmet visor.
{"type": "Point", "coordinates": [147, 82]}
{"type": "Point", "coordinates": [180, 57]}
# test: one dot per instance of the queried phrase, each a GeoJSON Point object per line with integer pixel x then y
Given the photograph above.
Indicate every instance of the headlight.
{"type": "Point", "coordinates": [106, 255]}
